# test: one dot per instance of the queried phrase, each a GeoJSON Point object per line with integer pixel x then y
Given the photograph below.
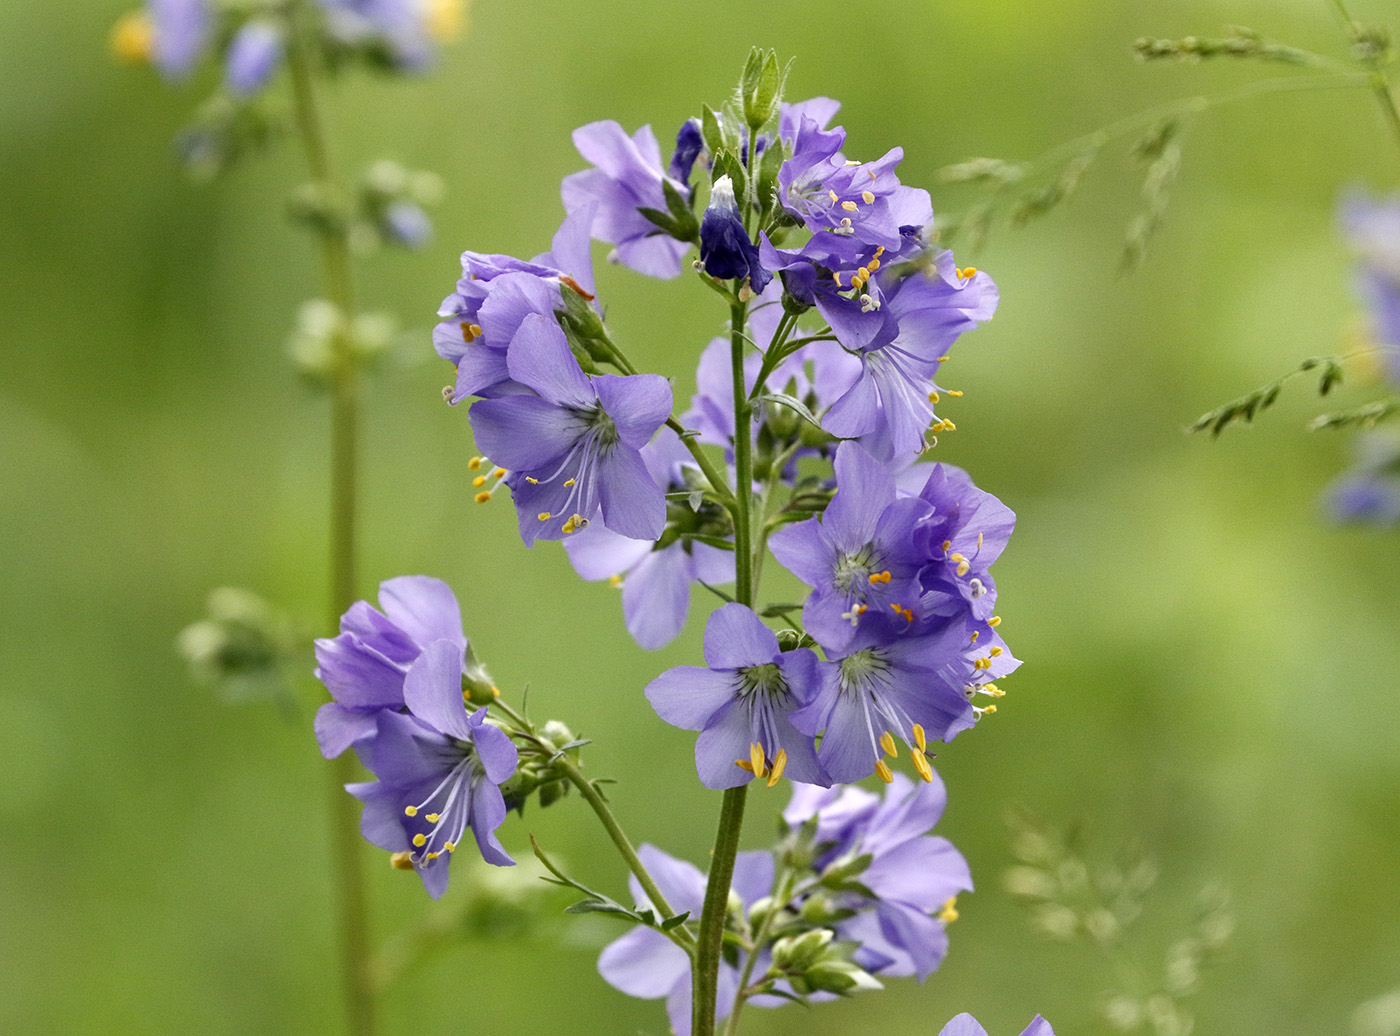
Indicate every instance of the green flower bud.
{"type": "Point", "coordinates": [841, 977]}
{"type": "Point", "coordinates": [797, 953]}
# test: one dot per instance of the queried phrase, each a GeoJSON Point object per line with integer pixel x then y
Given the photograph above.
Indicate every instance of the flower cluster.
{"type": "Point", "coordinates": [858, 890]}
{"type": "Point", "coordinates": [397, 676]}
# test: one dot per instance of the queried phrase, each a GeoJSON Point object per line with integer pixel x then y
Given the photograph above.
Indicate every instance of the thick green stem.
{"type": "Point", "coordinates": [344, 392]}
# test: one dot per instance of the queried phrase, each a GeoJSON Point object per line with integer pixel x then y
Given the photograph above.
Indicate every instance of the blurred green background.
{"type": "Point", "coordinates": [1210, 671]}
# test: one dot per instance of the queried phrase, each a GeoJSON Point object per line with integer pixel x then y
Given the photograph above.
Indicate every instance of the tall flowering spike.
{"type": "Point", "coordinates": [725, 248]}
{"type": "Point", "coordinates": [439, 773]}
{"type": "Point", "coordinates": [644, 963]}
{"type": "Point", "coordinates": [745, 705]}
{"type": "Point", "coordinates": [364, 667]}
{"type": "Point", "coordinates": [626, 178]}
{"type": "Point", "coordinates": [572, 442]}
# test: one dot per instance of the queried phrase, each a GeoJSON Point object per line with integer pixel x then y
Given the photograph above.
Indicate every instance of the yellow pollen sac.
{"type": "Point", "coordinates": [401, 861]}
{"type": "Point", "coordinates": [450, 847]}
{"type": "Point", "coordinates": [908, 615]}
{"type": "Point", "coordinates": [949, 913]}
{"type": "Point", "coordinates": [833, 196]}
{"type": "Point", "coordinates": [133, 37]}
{"type": "Point", "coordinates": [954, 392]}
{"type": "Point", "coordinates": [919, 738]}
{"type": "Point", "coordinates": [993, 690]}
{"type": "Point", "coordinates": [744, 764]}
{"type": "Point", "coordinates": [544, 516]}
{"type": "Point", "coordinates": [873, 265]}
{"type": "Point", "coordinates": [947, 544]}
{"type": "Point", "coordinates": [883, 772]}
{"type": "Point", "coordinates": [495, 691]}
{"type": "Point", "coordinates": [475, 462]}
{"type": "Point", "coordinates": [571, 481]}
{"type": "Point", "coordinates": [967, 271]}
{"type": "Point", "coordinates": [956, 557]}
{"type": "Point", "coordinates": [479, 481]}
{"type": "Point", "coordinates": [836, 276]}
{"type": "Point", "coordinates": [614, 581]}
{"type": "Point", "coordinates": [434, 856]}
{"type": "Point", "coordinates": [887, 743]}
{"type": "Point", "coordinates": [990, 708]}
{"type": "Point", "coordinates": [867, 197]}
{"type": "Point", "coordinates": [922, 768]}
{"type": "Point", "coordinates": [532, 481]}
{"type": "Point", "coordinates": [483, 496]}
{"type": "Point", "coordinates": [499, 472]}
{"type": "Point", "coordinates": [567, 527]}
{"type": "Point", "coordinates": [779, 765]}
{"type": "Point", "coordinates": [895, 608]}
{"type": "Point", "coordinates": [979, 541]}
{"type": "Point", "coordinates": [994, 621]}
{"type": "Point", "coordinates": [944, 359]}
{"type": "Point", "coordinates": [933, 397]}
{"type": "Point", "coordinates": [994, 652]}
{"type": "Point", "coordinates": [963, 568]}
{"type": "Point", "coordinates": [974, 636]}
{"type": "Point", "coordinates": [432, 818]}
{"type": "Point", "coordinates": [420, 840]}
{"type": "Point", "coordinates": [410, 811]}
{"type": "Point", "coordinates": [982, 663]}
{"type": "Point", "coordinates": [849, 206]}
{"type": "Point", "coordinates": [760, 766]}
{"type": "Point", "coordinates": [879, 251]}
{"type": "Point", "coordinates": [861, 609]}
{"type": "Point", "coordinates": [470, 332]}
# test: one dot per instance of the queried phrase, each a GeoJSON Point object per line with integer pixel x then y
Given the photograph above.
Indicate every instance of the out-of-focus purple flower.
{"type": "Point", "coordinates": [861, 557]}
{"type": "Point", "coordinates": [1368, 492]}
{"type": "Point", "coordinates": [627, 176]}
{"type": "Point", "coordinates": [744, 704]}
{"type": "Point", "coordinates": [966, 1025]}
{"type": "Point", "coordinates": [1372, 228]}
{"type": "Point", "coordinates": [181, 33]}
{"type": "Point", "coordinates": [439, 769]}
{"type": "Point", "coordinates": [912, 874]}
{"type": "Point", "coordinates": [406, 223]}
{"type": "Point", "coordinates": [254, 56]}
{"type": "Point", "coordinates": [646, 964]}
{"type": "Point", "coordinates": [364, 667]}
{"type": "Point", "coordinates": [725, 248]}
{"type": "Point", "coordinates": [655, 576]}
{"type": "Point", "coordinates": [405, 29]}
{"type": "Point", "coordinates": [571, 441]}
{"type": "Point", "coordinates": [497, 292]}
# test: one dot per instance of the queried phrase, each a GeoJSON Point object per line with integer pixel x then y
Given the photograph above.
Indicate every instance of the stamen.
{"type": "Point", "coordinates": [479, 481]}
{"type": "Point", "coordinates": [922, 768]}
{"type": "Point", "coordinates": [573, 481]}
{"type": "Point", "coordinates": [532, 481]}
{"type": "Point", "coordinates": [433, 818]}
{"type": "Point", "coordinates": [883, 772]}
{"type": "Point", "coordinates": [482, 497]}
{"type": "Point", "coordinates": [615, 582]}
{"type": "Point", "coordinates": [470, 332]}
{"type": "Point", "coordinates": [953, 392]}
{"type": "Point", "coordinates": [475, 463]}
{"type": "Point", "coordinates": [867, 197]}
{"type": "Point", "coordinates": [744, 764]}
{"type": "Point", "coordinates": [410, 811]}
{"type": "Point", "coordinates": [756, 759]}
{"type": "Point", "coordinates": [933, 397]}
{"type": "Point", "coordinates": [975, 634]}
{"type": "Point", "coordinates": [887, 743]}
{"type": "Point", "coordinates": [544, 516]}
{"type": "Point", "coordinates": [849, 206]}
{"type": "Point", "coordinates": [873, 265]}
{"type": "Point", "coordinates": [949, 913]}
{"type": "Point", "coordinates": [994, 621]}
{"type": "Point", "coordinates": [779, 765]}
{"type": "Point", "coordinates": [967, 272]}
{"type": "Point", "coordinates": [833, 196]}
{"type": "Point", "coordinates": [401, 861]}
{"type": "Point", "coordinates": [919, 738]}
{"type": "Point", "coordinates": [963, 568]}
{"type": "Point", "coordinates": [420, 840]}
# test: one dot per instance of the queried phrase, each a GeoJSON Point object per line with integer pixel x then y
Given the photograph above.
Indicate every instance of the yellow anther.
{"type": "Point", "coordinates": [922, 768]}
{"type": "Point", "coordinates": [949, 426]}
{"type": "Point", "coordinates": [567, 527]}
{"type": "Point", "coordinates": [867, 197]}
{"type": "Point", "coordinates": [614, 581]}
{"type": "Point", "coordinates": [949, 913]}
{"type": "Point", "coordinates": [979, 541]}
{"type": "Point", "coordinates": [475, 462]}
{"type": "Point", "coordinates": [860, 609]}
{"type": "Point", "coordinates": [779, 765]}
{"type": "Point", "coordinates": [954, 392]}
{"type": "Point", "coordinates": [499, 472]}
{"type": "Point", "coordinates": [990, 708]}
{"type": "Point", "coordinates": [849, 206]}
{"type": "Point", "coordinates": [133, 37]}
{"type": "Point", "coordinates": [833, 196]}
{"type": "Point", "coordinates": [532, 481]}
{"type": "Point", "coordinates": [967, 271]}
{"type": "Point", "coordinates": [873, 265]}
{"type": "Point", "coordinates": [895, 607]}
{"type": "Point", "coordinates": [410, 811]}
{"type": "Point", "coordinates": [744, 764]}
{"type": "Point", "coordinates": [994, 652]}
{"type": "Point", "coordinates": [947, 544]}
{"type": "Point", "coordinates": [571, 481]}
{"type": "Point", "coordinates": [994, 621]}
{"type": "Point", "coordinates": [933, 397]}
{"type": "Point", "coordinates": [963, 568]}
{"type": "Point", "coordinates": [401, 861]}
{"type": "Point", "coordinates": [450, 847]}
{"type": "Point", "coordinates": [880, 577]}
{"type": "Point", "coordinates": [756, 759]}
{"type": "Point", "coordinates": [944, 359]}
{"type": "Point", "coordinates": [483, 496]}
{"type": "Point", "coordinates": [883, 772]}
{"type": "Point", "coordinates": [434, 856]}
{"type": "Point", "coordinates": [479, 481]}
{"type": "Point", "coordinates": [871, 173]}
{"type": "Point", "coordinates": [919, 738]}
{"type": "Point", "coordinates": [908, 615]}
{"type": "Point", "coordinates": [836, 276]}
{"type": "Point", "coordinates": [420, 840]}
{"type": "Point", "coordinates": [993, 690]}
{"type": "Point", "coordinates": [544, 516]}
{"type": "Point", "coordinates": [879, 251]}
{"type": "Point", "coordinates": [433, 818]}
{"type": "Point", "coordinates": [470, 332]}
{"type": "Point", "coordinates": [887, 743]}
{"type": "Point", "coordinates": [956, 557]}
{"type": "Point", "coordinates": [495, 691]}
{"type": "Point", "coordinates": [982, 663]}
{"type": "Point", "coordinates": [974, 636]}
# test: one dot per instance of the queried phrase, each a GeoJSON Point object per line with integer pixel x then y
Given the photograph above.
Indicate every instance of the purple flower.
{"type": "Point", "coordinates": [572, 441]}
{"type": "Point", "coordinates": [966, 1025]}
{"type": "Point", "coordinates": [1372, 228]}
{"type": "Point", "coordinates": [406, 223]}
{"type": "Point", "coordinates": [254, 56]}
{"type": "Point", "coordinates": [726, 250]}
{"type": "Point", "coordinates": [656, 577]}
{"type": "Point", "coordinates": [912, 875]}
{"type": "Point", "coordinates": [405, 29]}
{"type": "Point", "coordinates": [1369, 492]}
{"type": "Point", "coordinates": [744, 704]}
{"type": "Point", "coordinates": [861, 557]}
{"type": "Point", "coordinates": [439, 771]}
{"type": "Point", "coordinates": [690, 142]}
{"type": "Point", "coordinates": [968, 530]}
{"type": "Point", "coordinates": [182, 30]}
{"type": "Point", "coordinates": [496, 293]}
{"type": "Point", "coordinates": [364, 667]}
{"type": "Point", "coordinates": [627, 176]}
{"type": "Point", "coordinates": [646, 964]}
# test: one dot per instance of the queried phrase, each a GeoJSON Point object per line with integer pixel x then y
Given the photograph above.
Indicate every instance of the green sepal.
{"type": "Point", "coordinates": [768, 165]}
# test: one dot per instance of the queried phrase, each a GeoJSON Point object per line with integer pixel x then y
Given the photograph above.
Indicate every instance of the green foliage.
{"type": "Point", "coordinates": [1245, 407]}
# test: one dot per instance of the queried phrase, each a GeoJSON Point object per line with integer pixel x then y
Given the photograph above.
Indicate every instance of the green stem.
{"type": "Point", "coordinates": [717, 481]}
{"type": "Point", "coordinates": [705, 969]}
{"type": "Point", "coordinates": [344, 391]}
{"type": "Point", "coordinates": [604, 813]}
